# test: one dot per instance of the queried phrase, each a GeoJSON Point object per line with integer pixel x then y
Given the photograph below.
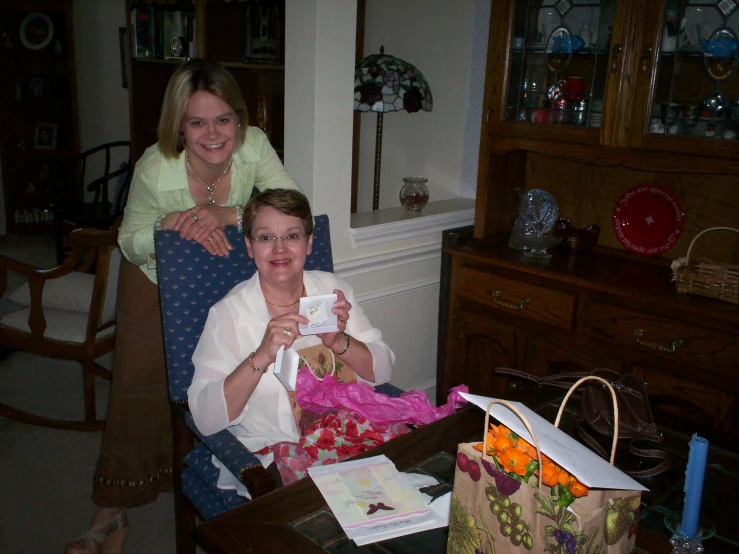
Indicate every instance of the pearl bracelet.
{"type": "Point", "coordinates": [346, 347]}
{"type": "Point", "coordinates": [158, 222]}
{"type": "Point", "coordinates": [239, 219]}
{"type": "Point", "coordinates": [251, 363]}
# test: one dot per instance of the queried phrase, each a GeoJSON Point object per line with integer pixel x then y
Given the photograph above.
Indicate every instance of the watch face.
{"type": "Point", "coordinates": [176, 46]}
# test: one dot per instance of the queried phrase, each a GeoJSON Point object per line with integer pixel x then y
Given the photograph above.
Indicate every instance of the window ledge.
{"type": "Point", "coordinates": [394, 224]}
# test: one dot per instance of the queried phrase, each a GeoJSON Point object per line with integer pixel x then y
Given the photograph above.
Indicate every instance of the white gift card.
{"type": "Point", "coordinates": [286, 367]}
{"type": "Point", "coordinates": [319, 311]}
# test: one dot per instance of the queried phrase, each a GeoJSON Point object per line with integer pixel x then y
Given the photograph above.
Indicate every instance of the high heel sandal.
{"type": "Point", "coordinates": [106, 537]}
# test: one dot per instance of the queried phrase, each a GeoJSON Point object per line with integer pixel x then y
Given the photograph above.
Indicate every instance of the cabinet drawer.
{"type": "Point", "coordinates": [674, 398]}
{"type": "Point", "coordinates": [700, 347]}
{"type": "Point", "coordinates": [523, 299]}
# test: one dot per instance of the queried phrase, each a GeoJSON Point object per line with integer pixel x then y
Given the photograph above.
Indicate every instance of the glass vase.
{"type": "Point", "coordinates": [414, 194]}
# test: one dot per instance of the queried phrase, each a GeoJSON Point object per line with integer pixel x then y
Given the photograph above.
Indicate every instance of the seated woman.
{"type": "Point", "coordinates": [234, 385]}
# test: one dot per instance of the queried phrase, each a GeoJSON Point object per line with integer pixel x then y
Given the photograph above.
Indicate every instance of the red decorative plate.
{"type": "Point", "coordinates": [648, 220]}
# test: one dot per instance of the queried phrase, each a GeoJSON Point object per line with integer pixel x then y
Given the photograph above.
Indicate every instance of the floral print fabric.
{"type": "Point", "coordinates": [333, 438]}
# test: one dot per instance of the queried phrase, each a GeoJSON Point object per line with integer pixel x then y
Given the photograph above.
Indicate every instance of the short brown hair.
{"type": "Point", "coordinates": [286, 201]}
{"type": "Point", "coordinates": [190, 77]}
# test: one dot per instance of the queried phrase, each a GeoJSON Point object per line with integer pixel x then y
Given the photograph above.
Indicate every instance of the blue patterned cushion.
{"type": "Point", "coordinates": [227, 449]}
{"type": "Point", "coordinates": [391, 390]}
{"type": "Point", "coordinates": [205, 502]}
{"type": "Point", "coordinates": [200, 460]}
{"type": "Point", "coordinates": [191, 281]}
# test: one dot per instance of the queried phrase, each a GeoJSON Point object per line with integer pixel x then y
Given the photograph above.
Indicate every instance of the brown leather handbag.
{"type": "Point", "coordinates": [636, 424]}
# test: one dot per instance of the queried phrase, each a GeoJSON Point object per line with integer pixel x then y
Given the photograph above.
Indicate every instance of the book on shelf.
{"type": "Point", "coordinates": [143, 32]}
{"type": "Point", "coordinates": [153, 30]}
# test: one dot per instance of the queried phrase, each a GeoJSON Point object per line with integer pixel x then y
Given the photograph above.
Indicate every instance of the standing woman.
{"type": "Point", "coordinates": [194, 180]}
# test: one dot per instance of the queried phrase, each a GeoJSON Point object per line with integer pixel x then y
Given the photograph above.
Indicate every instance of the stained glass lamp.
{"type": "Point", "coordinates": [384, 83]}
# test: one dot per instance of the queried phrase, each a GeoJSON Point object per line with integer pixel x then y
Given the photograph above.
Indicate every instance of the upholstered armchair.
{"type": "Point", "coordinates": [190, 282]}
{"type": "Point", "coordinates": [67, 312]}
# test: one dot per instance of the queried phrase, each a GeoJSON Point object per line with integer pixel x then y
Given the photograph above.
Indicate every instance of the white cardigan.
{"type": "Point", "coordinates": [235, 328]}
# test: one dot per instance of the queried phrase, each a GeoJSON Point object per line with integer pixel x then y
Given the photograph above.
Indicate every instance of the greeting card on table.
{"type": "Point", "coordinates": [369, 493]}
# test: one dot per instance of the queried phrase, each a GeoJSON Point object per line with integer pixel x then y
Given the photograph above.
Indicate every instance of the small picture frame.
{"type": "Point", "coordinates": [35, 90]}
{"type": "Point", "coordinates": [45, 136]}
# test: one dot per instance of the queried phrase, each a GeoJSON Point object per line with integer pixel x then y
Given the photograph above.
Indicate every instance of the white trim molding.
{"type": "Point", "coordinates": [388, 260]}
{"type": "Point", "coordinates": [394, 224]}
{"type": "Point", "coordinates": [426, 385]}
{"type": "Point", "coordinates": [394, 291]}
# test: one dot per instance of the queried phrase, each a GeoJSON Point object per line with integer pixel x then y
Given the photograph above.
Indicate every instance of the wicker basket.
{"type": "Point", "coordinates": [707, 278]}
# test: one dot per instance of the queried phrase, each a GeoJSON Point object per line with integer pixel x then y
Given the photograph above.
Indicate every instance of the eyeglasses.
{"type": "Point", "coordinates": [268, 241]}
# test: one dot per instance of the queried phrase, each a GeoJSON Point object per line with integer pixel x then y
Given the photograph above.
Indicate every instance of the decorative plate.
{"type": "Point", "coordinates": [37, 30]}
{"type": "Point", "coordinates": [648, 220]}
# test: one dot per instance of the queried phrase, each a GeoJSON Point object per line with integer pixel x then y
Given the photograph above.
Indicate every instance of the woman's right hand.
{"type": "Point", "coordinates": [281, 331]}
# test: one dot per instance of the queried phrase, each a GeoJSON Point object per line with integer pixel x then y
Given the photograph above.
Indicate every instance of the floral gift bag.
{"type": "Point", "coordinates": [509, 496]}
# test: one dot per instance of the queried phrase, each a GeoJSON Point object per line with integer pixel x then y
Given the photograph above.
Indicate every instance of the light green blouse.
{"type": "Point", "coordinates": [159, 186]}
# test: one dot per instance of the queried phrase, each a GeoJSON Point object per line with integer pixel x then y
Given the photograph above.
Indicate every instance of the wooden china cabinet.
{"type": "Point", "coordinates": [586, 100]}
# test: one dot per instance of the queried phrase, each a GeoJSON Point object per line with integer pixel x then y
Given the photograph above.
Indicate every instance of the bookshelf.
{"type": "Point", "coordinates": [246, 37]}
{"type": "Point", "coordinates": [38, 109]}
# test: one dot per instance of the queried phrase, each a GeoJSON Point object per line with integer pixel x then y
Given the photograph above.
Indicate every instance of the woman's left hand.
{"type": "Point", "coordinates": [336, 341]}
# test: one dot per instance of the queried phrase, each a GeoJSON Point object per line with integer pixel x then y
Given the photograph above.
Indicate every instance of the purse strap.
{"type": "Point", "coordinates": [615, 408]}
{"type": "Point", "coordinates": [563, 380]}
{"type": "Point", "coordinates": [523, 420]}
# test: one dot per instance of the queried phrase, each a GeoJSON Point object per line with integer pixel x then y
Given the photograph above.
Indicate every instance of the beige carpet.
{"type": "Point", "coordinates": [46, 474]}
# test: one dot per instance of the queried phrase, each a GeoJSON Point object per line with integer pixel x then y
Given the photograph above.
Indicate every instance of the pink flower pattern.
{"type": "Point", "coordinates": [333, 438]}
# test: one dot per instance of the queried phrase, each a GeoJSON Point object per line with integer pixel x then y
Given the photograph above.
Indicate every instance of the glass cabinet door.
{"type": "Point", "coordinates": [560, 51]}
{"type": "Point", "coordinates": [695, 93]}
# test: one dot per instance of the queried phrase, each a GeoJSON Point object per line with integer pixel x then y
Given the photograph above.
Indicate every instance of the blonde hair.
{"type": "Point", "coordinates": [190, 77]}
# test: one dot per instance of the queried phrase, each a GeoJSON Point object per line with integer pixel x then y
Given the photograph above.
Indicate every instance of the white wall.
{"type": "Point", "coordinates": [396, 282]}
{"type": "Point", "coordinates": [435, 36]}
{"type": "Point", "coordinates": [101, 99]}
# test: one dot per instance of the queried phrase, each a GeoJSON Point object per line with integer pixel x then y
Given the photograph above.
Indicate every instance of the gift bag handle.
{"type": "Point", "coordinates": [615, 408]}
{"type": "Point", "coordinates": [525, 422]}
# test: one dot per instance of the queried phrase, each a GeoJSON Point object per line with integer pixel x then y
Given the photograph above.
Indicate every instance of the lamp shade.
{"type": "Point", "coordinates": [384, 83]}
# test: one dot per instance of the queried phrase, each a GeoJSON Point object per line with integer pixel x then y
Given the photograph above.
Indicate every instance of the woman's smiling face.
{"type": "Point", "coordinates": [279, 262]}
{"type": "Point", "coordinates": [210, 128]}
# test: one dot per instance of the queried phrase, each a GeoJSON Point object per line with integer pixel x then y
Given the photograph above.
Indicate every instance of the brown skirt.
{"type": "Point", "coordinates": [135, 461]}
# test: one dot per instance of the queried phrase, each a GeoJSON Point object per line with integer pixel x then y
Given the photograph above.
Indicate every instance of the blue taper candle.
{"type": "Point", "coordinates": [694, 485]}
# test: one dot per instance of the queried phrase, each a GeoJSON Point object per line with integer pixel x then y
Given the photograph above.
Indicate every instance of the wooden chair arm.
{"type": "Point", "coordinates": [258, 481]}
{"type": "Point", "coordinates": [32, 272]}
{"type": "Point", "coordinates": [81, 258]}
{"type": "Point", "coordinates": [36, 279]}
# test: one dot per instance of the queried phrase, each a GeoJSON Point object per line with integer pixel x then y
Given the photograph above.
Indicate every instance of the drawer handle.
{"type": "Point", "coordinates": [646, 57]}
{"type": "Point", "coordinates": [674, 345]}
{"type": "Point", "coordinates": [615, 54]}
{"type": "Point", "coordinates": [510, 305]}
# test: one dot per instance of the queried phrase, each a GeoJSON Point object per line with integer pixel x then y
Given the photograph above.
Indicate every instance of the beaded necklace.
{"type": "Point", "coordinates": [211, 189]}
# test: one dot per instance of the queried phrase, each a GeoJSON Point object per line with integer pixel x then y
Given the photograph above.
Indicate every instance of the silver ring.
{"type": "Point", "coordinates": [210, 238]}
{"type": "Point", "coordinates": [343, 320]}
{"type": "Point", "coordinates": [287, 331]}
{"type": "Point", "coordinates": [194, 217]}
